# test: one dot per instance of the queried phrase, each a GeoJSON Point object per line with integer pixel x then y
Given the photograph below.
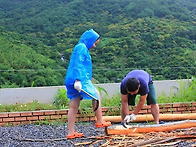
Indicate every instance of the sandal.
{"type": "Point", "coordinates": [75, 135]}
{"type": "Point", "coordinates": [104, 124]}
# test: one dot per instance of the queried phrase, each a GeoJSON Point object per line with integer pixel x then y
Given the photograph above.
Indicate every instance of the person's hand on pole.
{"type": "Point", "coordinates": [78, 86]}
{"type": "Point", "coordinates": [129, 118]}
{"type": "Point", "coordinates": [132, 117]}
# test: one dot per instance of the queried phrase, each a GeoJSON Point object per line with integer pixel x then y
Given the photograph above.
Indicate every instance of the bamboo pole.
{"type": "Point", "coordinates": [119, 129]}
{"type": "Point", "coordinates": [149, 117]}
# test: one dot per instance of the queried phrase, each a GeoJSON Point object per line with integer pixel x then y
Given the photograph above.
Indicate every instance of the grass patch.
{"type": "Point", "coordinates": [184, 94]}
{"type": "Point", "coordinates": [30, 106]}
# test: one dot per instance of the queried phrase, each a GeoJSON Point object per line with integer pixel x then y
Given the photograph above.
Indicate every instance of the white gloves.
{"type": "Point", "coordinates": [129, 118]}
{"type": "Point", "coordinates": [78, 85]}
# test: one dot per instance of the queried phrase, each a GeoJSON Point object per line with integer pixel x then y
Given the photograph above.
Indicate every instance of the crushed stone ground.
{"type": "Point", "coordinates": [45, 135]}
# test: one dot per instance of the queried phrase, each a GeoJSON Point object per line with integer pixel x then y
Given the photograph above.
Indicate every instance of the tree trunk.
{"type": "Point", "coordinates": [119, 129]}
{"type": "Point", "coordinates": [149, 117]}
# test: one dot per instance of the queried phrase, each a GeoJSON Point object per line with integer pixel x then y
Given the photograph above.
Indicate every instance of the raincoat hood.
{"type": "Point", "coordinates": [88, 38]}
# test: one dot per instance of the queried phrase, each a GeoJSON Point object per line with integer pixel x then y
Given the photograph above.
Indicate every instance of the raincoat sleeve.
{"type": "Point", "coordinates": [80, 64]}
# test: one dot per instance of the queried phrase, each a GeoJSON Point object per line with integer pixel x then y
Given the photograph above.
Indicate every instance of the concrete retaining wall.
{"type": "Point", "coordinates": [47, 94]}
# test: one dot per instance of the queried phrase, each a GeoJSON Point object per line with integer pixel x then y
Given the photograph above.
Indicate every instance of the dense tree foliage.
{"type": "Point", "coordinates": [37, 38]}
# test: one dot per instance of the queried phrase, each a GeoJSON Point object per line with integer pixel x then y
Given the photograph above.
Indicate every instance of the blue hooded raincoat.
{"type": "Point", "coordinates": [80, 67]}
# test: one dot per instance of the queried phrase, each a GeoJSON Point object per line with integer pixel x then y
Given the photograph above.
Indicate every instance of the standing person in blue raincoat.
{"type": "Point", "coordinates": [79, 75]}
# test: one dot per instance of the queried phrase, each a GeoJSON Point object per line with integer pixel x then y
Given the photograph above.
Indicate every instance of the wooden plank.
{"type": "Point", "coordinates": [119, 129]}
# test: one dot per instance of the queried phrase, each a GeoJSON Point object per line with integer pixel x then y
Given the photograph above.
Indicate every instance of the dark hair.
{"type": "Point", "coordinates": [132, 84]}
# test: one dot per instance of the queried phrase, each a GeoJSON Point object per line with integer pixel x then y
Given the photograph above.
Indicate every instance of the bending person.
{"type": "Point", "coordinates": [138, 82]}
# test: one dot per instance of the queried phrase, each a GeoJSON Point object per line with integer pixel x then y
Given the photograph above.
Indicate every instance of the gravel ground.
{"type": "Point", "coordinates": [44, 135]}
{"type": "Point", "coordinates": [17, 136]}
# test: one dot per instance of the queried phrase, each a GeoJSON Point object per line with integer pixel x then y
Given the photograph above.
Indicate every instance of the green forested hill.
{"type": "Point", "coordinates": [21, 65]}
{"type": "Point", "coordinates": [37, 38]}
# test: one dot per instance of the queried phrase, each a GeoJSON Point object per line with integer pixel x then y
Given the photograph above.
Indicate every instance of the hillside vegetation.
{"type": "Point", "coordinates": [37, 38]}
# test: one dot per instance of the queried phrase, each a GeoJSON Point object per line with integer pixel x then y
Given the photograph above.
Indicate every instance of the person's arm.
{"type": "Point", "coordinates": [140, 104]}
{"type": "Point", "coordinates": [77, 62]}
{"type": "Point", "coordinates": [125, 106]}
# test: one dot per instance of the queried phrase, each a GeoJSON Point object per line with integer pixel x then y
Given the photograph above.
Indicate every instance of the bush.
{"type": "Point", "coordinates": [61, 101]}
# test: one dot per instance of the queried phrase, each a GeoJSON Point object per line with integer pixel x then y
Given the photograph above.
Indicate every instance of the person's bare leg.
{"type": "Point", "coordinates": [74, 104]}
{"type": "Point", "coordinates": [155, 112]}
{"type": "Point", "coordinates": [98, 112]}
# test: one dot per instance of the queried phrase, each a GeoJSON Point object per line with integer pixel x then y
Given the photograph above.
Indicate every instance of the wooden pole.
{"type": "Point", "coordinates": [119, 129]}
{"type": "Point", "coordinates": [149, 117]}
